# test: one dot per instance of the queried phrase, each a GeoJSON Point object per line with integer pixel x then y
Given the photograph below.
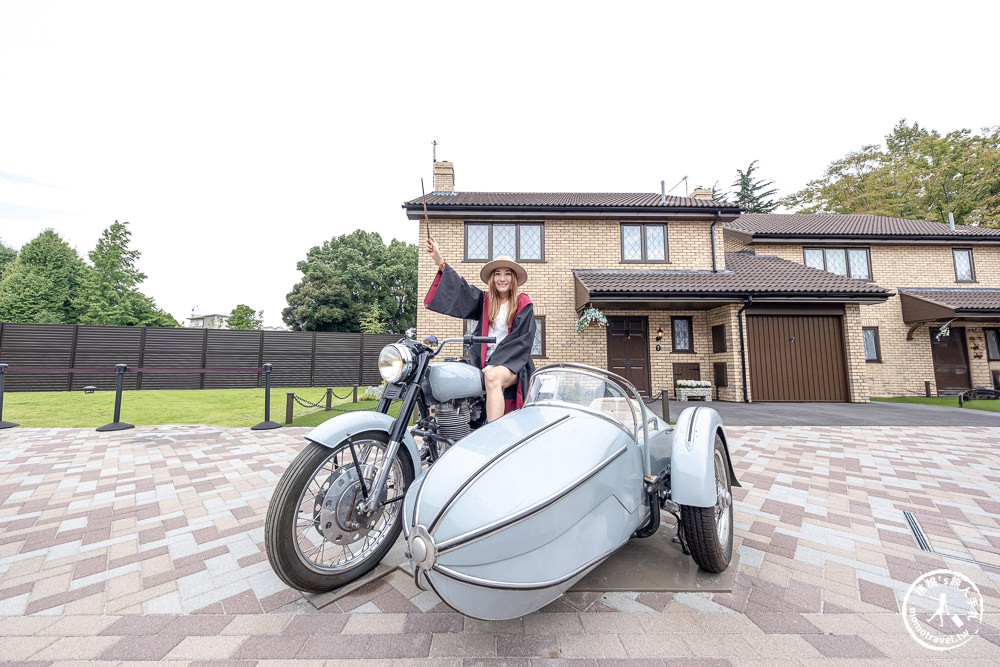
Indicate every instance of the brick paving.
{"type": "Point", "coordinates": [147, 545]}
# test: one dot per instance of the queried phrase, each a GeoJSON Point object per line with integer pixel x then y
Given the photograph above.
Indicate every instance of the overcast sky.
{"type": "Point", "coordinates": [234, 136]}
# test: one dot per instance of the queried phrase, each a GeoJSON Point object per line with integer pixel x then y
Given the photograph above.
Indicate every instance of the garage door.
{"type": "Point", "coordinates": [797, 358]}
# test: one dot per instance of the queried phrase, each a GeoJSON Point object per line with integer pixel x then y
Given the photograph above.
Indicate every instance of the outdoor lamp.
{"type": "Point", "coordinates": [659, 337]}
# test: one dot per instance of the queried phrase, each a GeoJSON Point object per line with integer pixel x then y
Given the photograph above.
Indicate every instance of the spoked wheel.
{"type": "Point", "coordinates": [314, 534]}
{"type": "Point", "coordinates": [709, 530]}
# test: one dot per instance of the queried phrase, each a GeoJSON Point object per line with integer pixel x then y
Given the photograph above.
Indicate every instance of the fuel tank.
{"type": "Point", "coordinates": [520, 510]}
{"type": "Point", "coordinates": [453, 379]}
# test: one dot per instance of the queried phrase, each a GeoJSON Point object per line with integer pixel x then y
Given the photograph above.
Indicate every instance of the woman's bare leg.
{"type": "Point", "coordinates": [498, 378]}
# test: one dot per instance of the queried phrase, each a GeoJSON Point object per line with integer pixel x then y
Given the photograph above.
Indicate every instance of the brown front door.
{"type": "Point", "coordinates": [628, 350]}
{"type": "Point", "coordinates": [797, 358]}
{"type": "Point", "coordinates": [951, 361]}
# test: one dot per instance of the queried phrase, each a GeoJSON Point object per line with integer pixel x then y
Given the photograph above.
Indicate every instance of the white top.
{"type": "Point", "coordinates": [499, 329]}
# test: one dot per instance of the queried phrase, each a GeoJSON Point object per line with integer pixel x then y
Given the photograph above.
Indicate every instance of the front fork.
{"type": "Point", "coordinates": [368, 505]}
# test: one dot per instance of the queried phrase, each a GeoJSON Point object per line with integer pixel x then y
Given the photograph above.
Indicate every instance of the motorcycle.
{"type": "Point", "coordinates": [335, 512]}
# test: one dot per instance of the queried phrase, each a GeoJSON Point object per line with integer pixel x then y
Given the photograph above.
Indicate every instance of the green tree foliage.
{"type": "Point", "coordinates": [371, 320]}
{"type": "Point", "coordinates": [39, 285]}
{"type": "Point", "coordinates": [7, 257]}
{"type": "Point", "coordinates": [108, 294]}
{"type": "Point", "coordinates": [919, 175]}
{"type": "Point", "coordinates": [346, 275]}
{"type": "Point", "coordinates": [244, 318]}
{"type": "Point", "coordinates": [751, 194]}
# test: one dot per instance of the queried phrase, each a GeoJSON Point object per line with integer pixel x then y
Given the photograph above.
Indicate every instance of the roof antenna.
{"type": "Point", "coordinates": [683, 180]}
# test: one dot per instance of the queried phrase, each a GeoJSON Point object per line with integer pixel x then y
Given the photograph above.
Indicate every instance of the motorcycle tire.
{"type": "Point", "coordinates": [708, 531]}
{"type": "Point", "coordinates": [314, 539]}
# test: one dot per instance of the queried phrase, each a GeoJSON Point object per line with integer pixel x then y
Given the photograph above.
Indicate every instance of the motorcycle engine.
{"type": "Point", "coordinates": [453, 419]}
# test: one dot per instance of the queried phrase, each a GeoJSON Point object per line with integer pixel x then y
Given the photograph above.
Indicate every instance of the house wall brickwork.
{"type": "Point", "coordinates": [906, 364]}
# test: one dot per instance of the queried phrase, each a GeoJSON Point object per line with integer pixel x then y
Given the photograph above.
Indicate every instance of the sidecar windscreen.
{"type": "Point", "coordinates": [587, 391]}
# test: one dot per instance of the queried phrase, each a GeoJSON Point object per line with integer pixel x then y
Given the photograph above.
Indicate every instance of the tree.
{"type": "Point", "coordinates": [40, 284]}
{"type": "Point", "coordinates": [7, 257]}
{"type": "Point", "coordinates": [370, 320]}
{"type": "Point", "coordinates": [751, 194]}
{"type": "Point", "coordinates": [243, 318]}
{"type": "Point", "coordinates": [108, 294]}
{"type": "Point", "coordinates": [346, 275]}
{"type": "Point", "coordinates": [919, 175]}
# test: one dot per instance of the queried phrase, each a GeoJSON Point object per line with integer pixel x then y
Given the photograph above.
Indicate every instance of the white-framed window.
{"type": "Point", "coordinates": [644, 242]}
{"type": "Point", "coordinates": [485, 241]}
{"type": "Point", "coordinates": [850, 262]}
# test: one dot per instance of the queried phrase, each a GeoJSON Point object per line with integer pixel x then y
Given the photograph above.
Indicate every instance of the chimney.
{"type": "Point", "coordinates": [702, 193]}
{"type": "Point", "coordinates": [444, 177]}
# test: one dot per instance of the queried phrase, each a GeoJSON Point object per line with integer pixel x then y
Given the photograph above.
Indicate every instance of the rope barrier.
{"type": "Point", "coordinates": [31, 369]}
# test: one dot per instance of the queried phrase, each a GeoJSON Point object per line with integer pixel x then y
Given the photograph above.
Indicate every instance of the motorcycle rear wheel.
{"type": "Point", "coordinates": [314, 538]}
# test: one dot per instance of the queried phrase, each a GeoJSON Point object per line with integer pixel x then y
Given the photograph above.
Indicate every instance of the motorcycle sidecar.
{"type": "Point", "coordinates": [520, 510]}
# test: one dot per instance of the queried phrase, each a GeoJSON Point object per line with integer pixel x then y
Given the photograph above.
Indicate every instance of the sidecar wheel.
{"type": "Point", "coordinates": [313, 536]}
{"type": "Point", "coordinates": [709, 530]}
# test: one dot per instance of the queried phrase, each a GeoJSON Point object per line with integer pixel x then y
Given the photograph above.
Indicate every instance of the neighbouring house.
{"type": "Point", "coordinates": [765, 307]}
{"type": "Point", "coordinates": [213, 321]}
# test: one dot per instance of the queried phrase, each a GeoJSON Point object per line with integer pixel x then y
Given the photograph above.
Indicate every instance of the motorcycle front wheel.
{"type": "Point", "coordinates": [315, 538]}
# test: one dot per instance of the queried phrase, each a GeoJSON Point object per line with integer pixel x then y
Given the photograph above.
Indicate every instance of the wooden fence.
{"type": "Point", "coordinates": [300, 359]}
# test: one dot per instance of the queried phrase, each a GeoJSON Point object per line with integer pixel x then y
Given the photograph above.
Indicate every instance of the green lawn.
{"type": "Point", "coordinates": [214, 407]}
{"type": "Point", "coordinates": [947, 401]}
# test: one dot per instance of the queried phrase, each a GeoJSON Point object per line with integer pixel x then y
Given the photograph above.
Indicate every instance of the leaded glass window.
{"type": "Point", "coordinates": [644, 243]}
{"type": "Point", "coordinates": [992, 344]}
{"type": "Point", "coordinates": [531, 242]}
{"type": "Point", "coordinates": [486, 241]}
{"type": "Point", "coordinates": [538, 344]}
{"type": "Point", "coordinates": [477, 242]}
{"type": "Point", "coordinates": [850, 262]}
{"type": "Point", "coordinates": [963, 264]}
{"type": "Point", "coordinates": [681, 331]}
{"type": "Point", "coordinates": [631, 243]}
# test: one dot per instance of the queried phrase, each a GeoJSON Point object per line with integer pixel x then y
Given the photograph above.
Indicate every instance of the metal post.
{"type": "Point", "coordinates": [355, 393]}
{"type": "Point", "coordinates": [329, 398]}
{"type": "Point", "coordinates": [289, 406]}
{"type": "Point", "coordinates": [3, 374]}
{"type": "Point", "coordinates": [267, 423]}
{"type": "Point", "coordinates": [927, 388]}
{"type": "Point", "coordinates": [665, 402]}
{"type": "Point", "coordinates": [117, 424]}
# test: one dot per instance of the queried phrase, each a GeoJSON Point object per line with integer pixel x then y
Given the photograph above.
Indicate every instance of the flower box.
{"type": "Point", "coordinates": [696, 393]}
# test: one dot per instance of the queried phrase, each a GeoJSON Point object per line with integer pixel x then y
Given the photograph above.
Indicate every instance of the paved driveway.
{"type": "Point", "coordinates": [146, 545]}
{"type": "Point", "coordinates": [839, 414]}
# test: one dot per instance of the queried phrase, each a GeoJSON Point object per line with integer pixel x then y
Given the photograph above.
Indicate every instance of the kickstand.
{"type": "Point", "coordinates": [680, 537]}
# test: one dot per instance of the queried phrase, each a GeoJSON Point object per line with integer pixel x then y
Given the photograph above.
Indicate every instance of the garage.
{"type": "Point", "coordinates": [797, 358]}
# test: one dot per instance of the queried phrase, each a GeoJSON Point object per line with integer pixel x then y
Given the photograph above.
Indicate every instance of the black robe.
{"type": "Point", "coordinates": [450, 294]}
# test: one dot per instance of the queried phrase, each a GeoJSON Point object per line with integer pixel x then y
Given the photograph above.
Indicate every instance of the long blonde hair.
{"type": "Point", "coordinates": [495, 303]}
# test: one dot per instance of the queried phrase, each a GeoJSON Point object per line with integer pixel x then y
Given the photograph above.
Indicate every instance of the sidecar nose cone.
{"type": "Point", "coordinates": [422, 549]}
{"type": "Point", "coordinates": [419, 549]}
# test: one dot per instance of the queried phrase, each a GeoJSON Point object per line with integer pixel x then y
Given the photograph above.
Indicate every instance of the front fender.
{"type": "Point", "coordinates": [334, 431]}
{"type": "Point", "coordinates": [692, 470]}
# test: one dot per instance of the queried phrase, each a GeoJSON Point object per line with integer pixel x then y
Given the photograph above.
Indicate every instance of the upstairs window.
{"type": "Point", "coordinates": [850, 262]}
{"type": "Point", "coordinates": [644, 243]}
{"type": "Point", "coordinates": [485, 241]}
{"type": "Point", "coordinates": [964, 270]}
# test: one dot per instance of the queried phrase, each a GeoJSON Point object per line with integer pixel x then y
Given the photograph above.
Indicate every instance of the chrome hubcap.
{"type": "Point", "coordinates": [338, 519]}
{"type": "Point", "coordinates": [724, 500]}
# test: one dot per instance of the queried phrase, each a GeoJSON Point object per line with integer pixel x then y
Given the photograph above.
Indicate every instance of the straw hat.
{"type": "Point", "coordinates": [504, 262]}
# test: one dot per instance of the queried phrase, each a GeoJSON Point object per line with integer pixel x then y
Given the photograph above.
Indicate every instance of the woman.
{"type": "Point", "coordinates": [504, 312]}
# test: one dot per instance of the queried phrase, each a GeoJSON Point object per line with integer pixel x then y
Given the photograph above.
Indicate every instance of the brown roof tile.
{"type": "Point", "coordinates": [561, 200]}
{"type": "Point", "coordinates": [745, 273]}
{"type": "Point", "coordinates": [799, 224]}
{"type": "Point", "coordinates": [970, 298]}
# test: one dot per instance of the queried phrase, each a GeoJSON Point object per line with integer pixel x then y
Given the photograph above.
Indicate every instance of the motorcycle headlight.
{"type": "Point", "coordinates": [395, 363]}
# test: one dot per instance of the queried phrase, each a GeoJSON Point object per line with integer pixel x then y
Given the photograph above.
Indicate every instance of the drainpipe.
{"type": "Point", "coordinates": [743, 350]}
{"type": "Point", "coordinates": [715, 269]}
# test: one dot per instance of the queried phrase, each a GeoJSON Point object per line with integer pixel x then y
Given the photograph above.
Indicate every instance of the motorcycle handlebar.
{"type": "Point", "coordinates": [467, 340]}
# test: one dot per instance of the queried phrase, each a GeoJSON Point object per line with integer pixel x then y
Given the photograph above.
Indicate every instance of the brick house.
{"type": "Point", "coordinates": [757, 305]}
